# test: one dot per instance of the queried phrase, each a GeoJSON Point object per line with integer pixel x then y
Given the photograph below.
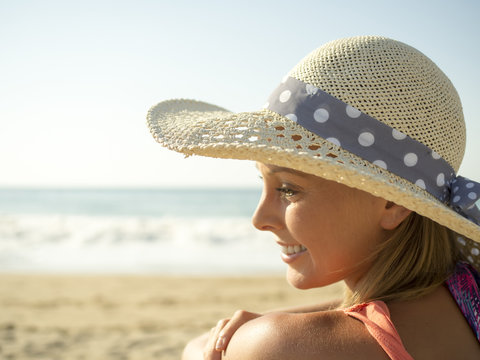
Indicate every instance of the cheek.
{"type": "Point", "coordinates": [311, 226]}
{"type": "Point", "coordinates": [337, 230]}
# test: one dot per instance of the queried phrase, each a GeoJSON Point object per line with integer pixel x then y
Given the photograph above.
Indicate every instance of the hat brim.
{"type": "Point", "coordinates": [197, 128]}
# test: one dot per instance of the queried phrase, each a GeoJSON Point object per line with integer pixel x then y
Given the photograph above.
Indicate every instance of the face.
{"type": "Point", "coordinates": [326, 230]}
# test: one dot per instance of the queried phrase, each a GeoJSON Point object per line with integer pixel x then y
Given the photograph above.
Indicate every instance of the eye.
{"type": "Point", "coordinates": [286, 192]}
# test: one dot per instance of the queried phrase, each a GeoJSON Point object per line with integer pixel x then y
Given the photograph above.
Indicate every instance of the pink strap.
{"type": "Point", "coordinates": [376, 317]}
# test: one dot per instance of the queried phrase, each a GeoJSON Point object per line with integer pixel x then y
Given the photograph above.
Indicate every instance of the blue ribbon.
{"type": "Point", "coordinates": [463, 197]}
{"type": "Point", "coordinates": [376, 142]}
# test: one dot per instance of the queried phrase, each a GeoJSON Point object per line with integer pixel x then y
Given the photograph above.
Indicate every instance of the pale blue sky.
{"type": "Point", "coordinates": [77, 77]}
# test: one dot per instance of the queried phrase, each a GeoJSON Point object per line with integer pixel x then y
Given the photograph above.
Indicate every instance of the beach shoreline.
{"type": "Point", "coordinates": [128, 316]}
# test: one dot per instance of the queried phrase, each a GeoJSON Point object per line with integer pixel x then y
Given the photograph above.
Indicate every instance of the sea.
{"type": "Point", "coordinates": [134, 231]}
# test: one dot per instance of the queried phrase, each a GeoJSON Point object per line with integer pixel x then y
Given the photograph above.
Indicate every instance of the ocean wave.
{"type": "Point", "coordinates": [135, 244]}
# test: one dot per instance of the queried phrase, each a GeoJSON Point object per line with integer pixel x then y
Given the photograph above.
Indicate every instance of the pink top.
{"type": "Point", "coordinates": [376, 317]}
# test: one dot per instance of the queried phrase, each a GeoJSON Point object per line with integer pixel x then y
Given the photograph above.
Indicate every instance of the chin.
{"type": "Point", "coordinates": [305, 281]}
{"type": "Point", "coordinates": [299, 280]}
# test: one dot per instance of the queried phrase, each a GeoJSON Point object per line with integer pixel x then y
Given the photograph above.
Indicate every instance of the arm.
{"type": "Point", "coordinates": [207, 344]}
{"type": "Point", "coordinates": [195, 348]}
{"type": "Point", "coordinates": [308, 336]}
{"type": "Point", "coordinates": [250, 342]}
{"type": "Point", "coordinates": [282, 336]}
{"type": "Point", "coordinates": [229, 327]}
{"type": "Point", "coordinates": [260, 339]}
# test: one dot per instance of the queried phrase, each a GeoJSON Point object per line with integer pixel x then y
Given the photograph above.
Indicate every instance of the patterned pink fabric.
{"type": "Point", "coordinates": [464, 287]}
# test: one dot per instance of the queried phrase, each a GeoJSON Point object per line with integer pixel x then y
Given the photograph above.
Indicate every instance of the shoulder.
{"type": "Point", "coordinates": [322, 335]}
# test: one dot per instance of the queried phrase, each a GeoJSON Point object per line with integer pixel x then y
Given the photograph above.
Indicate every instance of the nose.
{"type": "Point", "coordinates": [268, 215]}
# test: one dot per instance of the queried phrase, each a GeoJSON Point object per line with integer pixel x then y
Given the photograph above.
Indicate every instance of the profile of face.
{"type": "Point", "coordinates": [327, 231]}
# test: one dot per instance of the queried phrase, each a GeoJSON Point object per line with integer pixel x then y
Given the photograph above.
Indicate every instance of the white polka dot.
{"type": "Point", "coordinates": [475, 251]}
{"type": "Point", "coordinates": [410, 159]}
{"type": "Point", "coordinates": [469, 185]}
{"type": "Point", "coordinates": [455, 189]}
{"type": "Point", "coordinates": [421, 184]}
{"type": "Point", "coordinates": [334, 141]}
{"type": "Point", "coordinates": [381, 163]}
{"type": "Point", "coordinates": [469, 258]}
{"type": "Point", "coordinates": [352, 112]}
{"type": "Point", "coordinates": [397, 135]}
{"type": "Point", "coordinates": [461, 241]}
{"type": "Point", "coordinates": [267, 104]}
{"type": "Point", "coordinates": [284, 96]}
{"type": "Point", "coordinates": [311, 90]}
{"type": "Point", "coordinates": [435, 155]}
{"type": "Point", "coordinates": [321, 115]}
{"type": "Point", "coordinates": [440, 179]}
{"type": "Point", "coordinates": [456, 198]}
{"type": "Point", "coordinates": [291, 117]}
{"type": "Point", "coordinates": [472, 195]}
{"type": "Point", "coordinates": [366, 139]}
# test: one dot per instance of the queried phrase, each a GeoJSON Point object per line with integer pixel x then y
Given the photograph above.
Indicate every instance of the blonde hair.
{"type": "Point", "coordinates": [419, 256]}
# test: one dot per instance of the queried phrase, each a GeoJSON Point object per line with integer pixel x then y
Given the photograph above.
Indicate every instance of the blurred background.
{"type": "Point", "coordinates": [84, 187]}
{"type": "Point", "coordinates": [112, 247]}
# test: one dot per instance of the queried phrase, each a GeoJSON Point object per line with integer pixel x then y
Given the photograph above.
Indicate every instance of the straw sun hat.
{"type": "Point", "coordinates": [368, 112]}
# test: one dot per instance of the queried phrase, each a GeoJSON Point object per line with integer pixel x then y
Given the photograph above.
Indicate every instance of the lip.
{"type": "Point", "coordinates": [289, 258]}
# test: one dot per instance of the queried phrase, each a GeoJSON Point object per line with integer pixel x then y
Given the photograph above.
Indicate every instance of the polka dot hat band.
{"type": "Point", "coordinates": [374, 141]}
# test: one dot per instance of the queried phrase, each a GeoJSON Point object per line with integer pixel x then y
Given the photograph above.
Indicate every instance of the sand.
{"type": "Point", "coordinates": [128, 317]}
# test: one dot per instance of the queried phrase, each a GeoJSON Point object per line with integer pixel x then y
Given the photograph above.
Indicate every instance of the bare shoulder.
{"type": "Point", "coordinates": [321, 335]}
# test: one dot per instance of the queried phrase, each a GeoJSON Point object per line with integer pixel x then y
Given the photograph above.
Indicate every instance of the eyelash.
{"type": "Point", "coordinates": [286, 192]}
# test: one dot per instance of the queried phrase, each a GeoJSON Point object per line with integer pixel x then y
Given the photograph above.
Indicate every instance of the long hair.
{"type": "Point", "coordinates": [417, 258]}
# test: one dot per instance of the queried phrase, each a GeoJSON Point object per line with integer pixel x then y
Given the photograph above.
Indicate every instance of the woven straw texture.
{"type": "Point", "coordinates": [385, 79]}
{"type": "Point", "coordinates": [395, 84]}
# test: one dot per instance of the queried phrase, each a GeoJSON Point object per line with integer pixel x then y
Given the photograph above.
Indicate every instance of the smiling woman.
{"type": "Point", "coordinates": [359, 149]}
{"type": "Point", "coordinates": [335, 227]}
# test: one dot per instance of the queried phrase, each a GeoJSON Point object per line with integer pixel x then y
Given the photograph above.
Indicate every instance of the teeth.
{"type": "Point", "coordinates": [290, 250]}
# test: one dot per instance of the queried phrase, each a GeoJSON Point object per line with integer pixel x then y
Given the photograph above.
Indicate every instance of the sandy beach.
{"type": "Point", "coordinates": [128, 317]}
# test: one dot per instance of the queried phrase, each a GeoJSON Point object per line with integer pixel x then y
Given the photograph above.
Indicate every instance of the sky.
{"type": "Point", "coordinates": [78, 77]}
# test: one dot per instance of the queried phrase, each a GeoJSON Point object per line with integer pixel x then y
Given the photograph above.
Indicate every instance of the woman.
{"type": "Point", "coordinates": [358, 149]}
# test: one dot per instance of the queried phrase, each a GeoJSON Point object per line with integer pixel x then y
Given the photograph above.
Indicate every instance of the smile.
{"type": "Point", "coordinates": [295, 249]}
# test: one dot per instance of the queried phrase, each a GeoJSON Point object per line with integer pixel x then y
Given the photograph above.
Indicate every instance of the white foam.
{"type": "Point", "coordinates": [106, 244]}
